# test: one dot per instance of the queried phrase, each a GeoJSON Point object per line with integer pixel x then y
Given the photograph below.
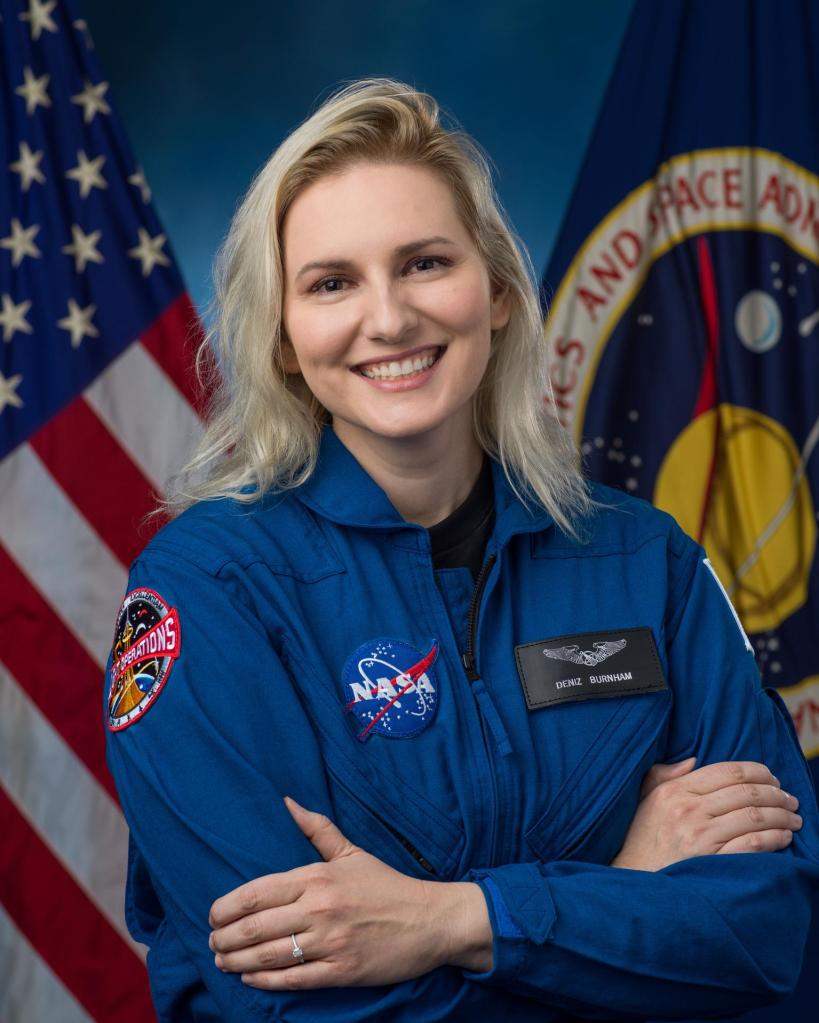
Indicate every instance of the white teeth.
{"type": "Point", "coordinates": [391, 370]}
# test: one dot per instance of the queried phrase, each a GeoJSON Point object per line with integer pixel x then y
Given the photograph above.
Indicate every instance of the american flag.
{"type": "Point", "coordinates": [97, 408]}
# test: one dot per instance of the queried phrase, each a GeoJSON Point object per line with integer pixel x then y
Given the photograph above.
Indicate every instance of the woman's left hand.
{"type": "Point", "coordinates": [358, 921]}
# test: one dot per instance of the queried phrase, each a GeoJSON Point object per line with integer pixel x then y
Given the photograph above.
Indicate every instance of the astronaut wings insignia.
{"type": "Point", "coordinates": [601, 652]}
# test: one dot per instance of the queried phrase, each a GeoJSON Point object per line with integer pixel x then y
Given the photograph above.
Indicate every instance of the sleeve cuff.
{"type": "Point", "coordinates": [520, 911]}
{"type": "Point", "coordinates": [507, 928]}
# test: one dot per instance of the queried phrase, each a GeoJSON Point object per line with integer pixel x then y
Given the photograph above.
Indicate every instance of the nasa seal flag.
{"type": "Point", "coordinates": [147, 641]}
{"type": "Point", "coordinates": [390, 688]}
{"type": "Point", "coordinates": [589, 665]}
{"type": "Point", "coordinates": [684, 325]}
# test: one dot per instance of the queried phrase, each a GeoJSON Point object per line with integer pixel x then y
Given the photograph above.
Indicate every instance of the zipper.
{"type": "Point", "coordinates": [468, 658]}
{"type": "Point", "coordinates": [416, 855]}
{"type": "Point", "coordinates": [405, 842]}
{"type": "Point", "coordinates": [473, 675]}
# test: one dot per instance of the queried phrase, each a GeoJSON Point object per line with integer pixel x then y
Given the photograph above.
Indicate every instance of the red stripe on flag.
{"type": "Point", "coordinates": [106, 486]}
{"type": "Point", "coordinates": [79, 945]}
{"type": "Point", "coordinates": [56, 672]}
{"type": "Point", "coordinates": [172, 340]}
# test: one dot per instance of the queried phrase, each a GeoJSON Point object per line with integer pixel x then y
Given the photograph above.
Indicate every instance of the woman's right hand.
{"type": "Point", "coordinates": [729, 807]}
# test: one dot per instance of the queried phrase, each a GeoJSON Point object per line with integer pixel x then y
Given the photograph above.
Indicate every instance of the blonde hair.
{"type": "Point", "coordinates": [265, 425]}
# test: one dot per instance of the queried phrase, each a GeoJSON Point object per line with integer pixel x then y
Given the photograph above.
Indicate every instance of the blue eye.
{"type": "Point", "coordinates": [327, 280]}
{"type": "Point", "coordinates": [319, 286]}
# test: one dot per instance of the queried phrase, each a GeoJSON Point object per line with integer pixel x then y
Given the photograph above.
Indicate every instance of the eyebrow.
{"type": "Point", "coordinates": [347, 264]}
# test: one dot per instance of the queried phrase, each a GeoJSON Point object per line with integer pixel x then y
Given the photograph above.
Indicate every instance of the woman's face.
{"type": "Point", "coordinates": [392, 331]}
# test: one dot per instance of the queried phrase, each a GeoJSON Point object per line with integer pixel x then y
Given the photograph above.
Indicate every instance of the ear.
{"type": "Point", "coordinates": [501, 307]}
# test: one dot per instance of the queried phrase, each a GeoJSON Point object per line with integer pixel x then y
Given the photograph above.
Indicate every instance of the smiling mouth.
{"type": "Point", "coordinates": [398, 370]}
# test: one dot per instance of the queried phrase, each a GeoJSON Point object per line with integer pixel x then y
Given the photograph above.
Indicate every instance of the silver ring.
{"type": "Point", "coordinates": [297, 953]}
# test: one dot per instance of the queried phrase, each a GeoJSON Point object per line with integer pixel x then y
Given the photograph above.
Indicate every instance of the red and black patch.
{"type": "Point", "coordinates": [147, 641]}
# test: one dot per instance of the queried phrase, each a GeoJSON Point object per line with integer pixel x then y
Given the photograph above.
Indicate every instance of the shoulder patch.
{"type": "Point", "coordinates": [147, 641]}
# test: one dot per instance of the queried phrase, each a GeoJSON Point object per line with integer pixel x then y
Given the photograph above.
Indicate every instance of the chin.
{"type": "Point", "coordinates": [393, 431]}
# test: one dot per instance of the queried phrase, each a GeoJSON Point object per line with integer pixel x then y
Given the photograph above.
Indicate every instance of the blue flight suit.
{"type": "Point", "coordinates": [281, 616]}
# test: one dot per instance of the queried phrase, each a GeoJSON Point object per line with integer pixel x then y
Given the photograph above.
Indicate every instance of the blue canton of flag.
{"type": "Point", "coordinates": [82, 238]}
{"type": "Point", "coordinates": [683, 321]}
{"type": "Point", "coordinates": [97, 408]}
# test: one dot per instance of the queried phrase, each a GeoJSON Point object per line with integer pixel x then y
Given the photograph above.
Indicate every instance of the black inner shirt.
{"type": "Point", "coordinates": [459, 540]}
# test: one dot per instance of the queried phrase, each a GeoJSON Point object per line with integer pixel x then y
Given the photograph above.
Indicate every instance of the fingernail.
{"type": "Point", "coordinates": [220, 962]}
{"type": "Point", "coordinates": [793, 799]}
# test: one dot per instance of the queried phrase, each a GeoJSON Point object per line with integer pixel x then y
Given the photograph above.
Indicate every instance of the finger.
{"type": "Point", "coordinates": [257, 895]}
{"type": "Point", "coordinates": [729, 772]}
{"type": "Point", "coordinates": [735, 797]}
{"type": "Point", "coordinates": [295, 978]}
{"type": "Point", "coordinates": [759, 841]}
{"type": "Point", "coordinates": [752, 818]}
{"type": "Point", "coordinates": [261, 893]}
{"type": "Point", "coordinates": [321, 831]}
{"type": "Point", "coordinates": [665, 772]}
{"type": "Point", "coordinates": [257, 928]}
{"type": "Point", "coordinates": [269, 955]}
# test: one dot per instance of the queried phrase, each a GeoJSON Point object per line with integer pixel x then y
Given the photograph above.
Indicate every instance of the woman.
{"type": "Point", "coordinates": [391, 596]}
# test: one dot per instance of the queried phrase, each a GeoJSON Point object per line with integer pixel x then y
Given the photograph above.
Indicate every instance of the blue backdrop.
{"type": "Point", "coordinates": [207, 90]}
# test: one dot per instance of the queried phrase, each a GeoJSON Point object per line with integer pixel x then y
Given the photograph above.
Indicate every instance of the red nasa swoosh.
{"type": "Point", "coordinates": [415, 672]}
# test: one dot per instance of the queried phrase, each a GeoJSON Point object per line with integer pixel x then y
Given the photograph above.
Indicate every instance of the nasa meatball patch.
{"type": "Point", "coordinates": [390, 688]}
{"type": "Point", "coordinates": [147, 641]}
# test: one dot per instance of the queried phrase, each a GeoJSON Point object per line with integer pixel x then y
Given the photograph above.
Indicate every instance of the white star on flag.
{"type": "Point", "coordinates": [13, 318]}
{"type": "Point", "coordinates": [33, 90]}
{"type": "Point", "coordinates": [83, 248]}
{"type": "Point", "coordinates": [148, 251]}
{"type": "Point", "coordinates": [8, 391]}
{"type": "Point", "coordinates": [78, 323]}
{"type": "Point", "coordinates": [39, 16]}
{"type": "Point", "coordinates": [28, 167]}
{"type": "Point", "coordinates": [20, 242]}
{"type": "Point", "coordinates": [87, 173]}
{"type": "Point", "coordinates": [91, 100]}
{"type": "Point", "coordinates": [138, 179]}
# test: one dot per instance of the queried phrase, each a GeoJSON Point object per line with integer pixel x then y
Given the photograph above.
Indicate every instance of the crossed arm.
{"type": "Point", "coordinates": [360, 922]}
{"type": "Point", "coordinates": [687, 928]}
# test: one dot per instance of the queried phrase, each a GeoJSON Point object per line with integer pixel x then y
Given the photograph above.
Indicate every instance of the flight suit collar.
{"type": "Point", "coordinates": [341, 490]}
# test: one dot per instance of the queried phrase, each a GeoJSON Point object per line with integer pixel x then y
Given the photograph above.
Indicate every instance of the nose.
{"type": "Point", "coordinates": [388, 316]}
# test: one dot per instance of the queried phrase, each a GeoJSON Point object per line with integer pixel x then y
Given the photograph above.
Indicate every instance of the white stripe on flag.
{"type": "Point", "coordinates": [74, 816]}
{"type": "Point", "coordinates": [146, 413]}
{"type": "Point", "coordinates": [28, 988]}
{"type": "Point", "coordinates": [62, 555]}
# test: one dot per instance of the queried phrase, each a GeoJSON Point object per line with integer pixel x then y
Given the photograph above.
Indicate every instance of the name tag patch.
{"type": "Point", "coordinates": [589, 665]}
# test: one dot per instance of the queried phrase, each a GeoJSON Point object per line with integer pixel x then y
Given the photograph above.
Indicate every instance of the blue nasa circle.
{"type": "Point", "coordinates": [382, 697]}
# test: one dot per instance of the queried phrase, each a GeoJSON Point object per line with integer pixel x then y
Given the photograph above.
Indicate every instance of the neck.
{"type": "Point", "coordinates": [426, 477]}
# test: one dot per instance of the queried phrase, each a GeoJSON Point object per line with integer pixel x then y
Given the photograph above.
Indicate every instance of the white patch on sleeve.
{"type": "Point", "coordinates": [710, 568]}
